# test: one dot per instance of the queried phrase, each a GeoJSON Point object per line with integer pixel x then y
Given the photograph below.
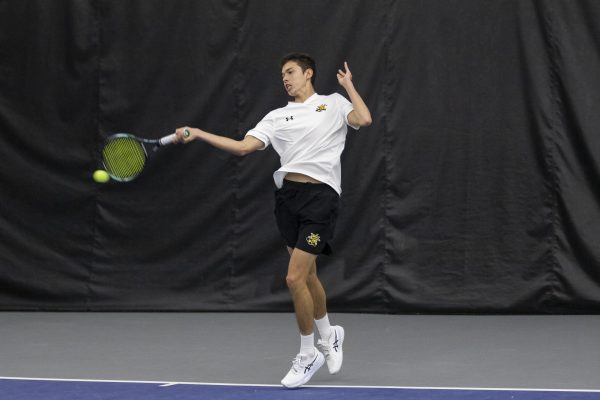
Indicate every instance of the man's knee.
{"type": "Point", "coordinates": [292, 281]}
{"type": "Point", "coordinates": [298, 275]}
{"type": "Point", "coordinates": [301, 267]}
{"type": "Point", "coordinates": [296, 280]}
{"type": "Point", "coordinates": [311, 281]}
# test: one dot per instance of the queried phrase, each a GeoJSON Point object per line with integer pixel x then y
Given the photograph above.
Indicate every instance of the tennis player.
{"type": "Point", "coordinates": [309, 135]}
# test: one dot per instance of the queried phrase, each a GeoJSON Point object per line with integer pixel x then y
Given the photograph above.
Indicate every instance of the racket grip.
{"type": "Point", "coordinates": [169, 139]}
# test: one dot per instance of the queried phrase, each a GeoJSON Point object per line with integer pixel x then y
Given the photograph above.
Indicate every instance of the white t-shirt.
{"type": "Point", "coordinates": [309, 137]}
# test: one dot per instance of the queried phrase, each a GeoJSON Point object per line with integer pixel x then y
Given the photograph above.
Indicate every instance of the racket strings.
{"type": "Point", "coordinates": [124, 158]}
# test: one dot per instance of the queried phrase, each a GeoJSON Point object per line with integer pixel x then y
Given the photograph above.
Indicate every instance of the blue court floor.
{"type": "Point", "coordinates": [28, 389]}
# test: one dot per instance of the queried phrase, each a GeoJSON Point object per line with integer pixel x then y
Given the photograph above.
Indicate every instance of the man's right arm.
{"type": "Point", "coordinates": [236, 147]}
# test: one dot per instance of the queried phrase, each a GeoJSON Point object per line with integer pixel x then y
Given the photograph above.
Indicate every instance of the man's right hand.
{"type": "Point", "coordinates": [183, 137]}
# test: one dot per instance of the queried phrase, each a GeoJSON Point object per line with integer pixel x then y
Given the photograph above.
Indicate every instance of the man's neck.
{"type": "Point", "coordinates": [304, 94]}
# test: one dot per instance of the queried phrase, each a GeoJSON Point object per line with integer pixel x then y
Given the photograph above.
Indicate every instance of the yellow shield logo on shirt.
{"type": "Point", "coordinates": [322, 107]}
{"type": "Point", "coordinates": [313, 239]}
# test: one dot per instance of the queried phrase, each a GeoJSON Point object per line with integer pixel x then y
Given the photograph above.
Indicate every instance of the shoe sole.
{"type": "Point", "coordinates": [341, 339]}
{"type": "Point", "coordinates": [307, 377]}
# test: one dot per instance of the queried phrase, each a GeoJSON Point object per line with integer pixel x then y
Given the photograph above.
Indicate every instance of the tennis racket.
{"type": "Point", "coordinates": [124, 155]}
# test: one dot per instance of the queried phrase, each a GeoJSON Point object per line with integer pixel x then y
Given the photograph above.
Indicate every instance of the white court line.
{"type": "Point", "coordinates": [167, 384]}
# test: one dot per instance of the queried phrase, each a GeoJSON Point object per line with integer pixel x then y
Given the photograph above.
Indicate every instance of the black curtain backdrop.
{"type": "Point", "coordinates": [476, 189]}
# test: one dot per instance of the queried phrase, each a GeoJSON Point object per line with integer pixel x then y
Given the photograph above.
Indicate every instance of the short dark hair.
{"type": "Point", "coordinates": [304, 61]}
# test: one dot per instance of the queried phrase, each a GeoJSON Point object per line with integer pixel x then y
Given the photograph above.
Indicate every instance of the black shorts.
{"type": "Point", "coordinates": [306, 214]}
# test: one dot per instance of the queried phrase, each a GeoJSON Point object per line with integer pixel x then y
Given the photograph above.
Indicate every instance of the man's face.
{"type": "Point", "coordinates": [294, 80]}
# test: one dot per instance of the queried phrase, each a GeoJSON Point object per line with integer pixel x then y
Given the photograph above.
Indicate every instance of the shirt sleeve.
{"type": "Point", "coordinates": [263, 131]}
{"type": "Point", "coordinates": [346, 108]}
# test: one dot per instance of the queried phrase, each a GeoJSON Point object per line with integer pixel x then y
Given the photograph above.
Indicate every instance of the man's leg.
{"type": "Point", "coordinates": [300, 267]}
{"type": "Point", "coordinates": [332, 337]}
{"type": "Point", "coordinates": [316, 290]}
{"type": "Point", "coordinates": [319, 300]}
{"type": "Point", "coordinates": [309, 360]}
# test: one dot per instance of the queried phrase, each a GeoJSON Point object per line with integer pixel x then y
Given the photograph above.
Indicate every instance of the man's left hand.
{"type": "Point", "coordinates": [344, 77]}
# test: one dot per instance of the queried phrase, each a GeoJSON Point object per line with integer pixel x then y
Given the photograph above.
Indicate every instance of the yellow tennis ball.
{"type": "Point", "coordinates": [101, 176]}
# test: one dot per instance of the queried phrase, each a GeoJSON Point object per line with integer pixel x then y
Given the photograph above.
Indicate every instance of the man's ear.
{"type": "Point", "coordinates": [309, 72]}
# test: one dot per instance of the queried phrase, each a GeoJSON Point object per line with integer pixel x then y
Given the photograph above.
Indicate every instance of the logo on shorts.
{"type": "Point", "coordinates": [313, 239]}
{"type": "Point", "coordinates": [322, 107]}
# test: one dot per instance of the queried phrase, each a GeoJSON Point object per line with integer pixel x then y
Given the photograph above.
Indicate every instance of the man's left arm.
{"type": "Point", "coordinates": [360, 115]}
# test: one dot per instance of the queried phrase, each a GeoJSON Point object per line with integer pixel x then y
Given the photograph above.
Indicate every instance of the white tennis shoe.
{"type": "Point", "coordinates": [332, 349]}
{"type": "Point", "coordinates": [303, 369]}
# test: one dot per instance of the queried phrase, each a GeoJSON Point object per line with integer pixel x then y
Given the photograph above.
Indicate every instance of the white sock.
{"type": "Point", "coordinates": [307, 345]}
{"type": "Point", "coordinates": [324, 327]}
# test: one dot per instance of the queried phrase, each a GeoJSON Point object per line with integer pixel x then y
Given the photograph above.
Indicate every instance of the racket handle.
{"type": "Point", "coordinates": [169, 139]}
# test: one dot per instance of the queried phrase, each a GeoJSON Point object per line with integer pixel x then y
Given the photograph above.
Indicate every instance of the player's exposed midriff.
{"type": "Point", "coordinates": [297, 177]}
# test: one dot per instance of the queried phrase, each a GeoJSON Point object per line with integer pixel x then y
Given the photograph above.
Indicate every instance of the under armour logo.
{"type": "Point", "coordinates": [290, 118]}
